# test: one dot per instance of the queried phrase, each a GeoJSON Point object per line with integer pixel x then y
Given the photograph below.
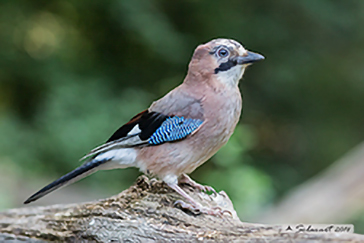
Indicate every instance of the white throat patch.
{"type": "Point", "coordinates": [232, 76]}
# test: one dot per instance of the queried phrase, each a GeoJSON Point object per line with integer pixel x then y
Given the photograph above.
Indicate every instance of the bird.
{"type": "Point", "coordinates": [181, 130]}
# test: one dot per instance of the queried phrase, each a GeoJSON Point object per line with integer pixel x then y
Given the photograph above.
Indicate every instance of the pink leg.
{"type": "Point", "coordinates": [193, 205]}
{"type": "Point", "coordinates": [187, 180]}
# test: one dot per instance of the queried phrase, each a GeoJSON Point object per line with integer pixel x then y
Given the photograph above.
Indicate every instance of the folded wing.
{"type": "Point", "coordinates": [147, 129]}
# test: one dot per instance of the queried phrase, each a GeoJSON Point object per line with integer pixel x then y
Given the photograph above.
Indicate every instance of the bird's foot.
{"type": "Point", "coordinates": [185, 179]}
{"type": "Point", "coordinates": [192, 205]}
{"type": "Point", "coordinates": [199, 209]}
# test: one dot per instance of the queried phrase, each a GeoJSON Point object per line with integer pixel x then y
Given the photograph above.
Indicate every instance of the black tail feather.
{"type": "Point", "coordinates": [75, 175]}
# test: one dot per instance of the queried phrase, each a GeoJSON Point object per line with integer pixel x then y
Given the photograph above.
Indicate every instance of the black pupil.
{"type": "Point", "coordinates": [223, 53]}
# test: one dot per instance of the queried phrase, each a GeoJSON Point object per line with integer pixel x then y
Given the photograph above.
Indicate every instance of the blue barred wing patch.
{"type": "Point", "coordinates": [174, 128]}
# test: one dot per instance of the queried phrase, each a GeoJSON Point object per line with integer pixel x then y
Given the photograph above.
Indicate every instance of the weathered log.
{"type": "Point", "coordinates": [145, 213]}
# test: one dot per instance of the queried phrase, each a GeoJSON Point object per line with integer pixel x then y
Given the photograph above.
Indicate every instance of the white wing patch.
{"type": "Point", "coordinates": [135, 130]}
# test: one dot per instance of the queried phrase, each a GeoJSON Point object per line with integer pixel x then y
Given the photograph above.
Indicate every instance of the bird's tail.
{"type": "Point", "coordinates": [75, 175]}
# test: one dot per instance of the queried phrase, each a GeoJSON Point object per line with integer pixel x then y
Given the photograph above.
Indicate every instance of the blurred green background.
{"type": "Point", "coordinates": [72, 72]}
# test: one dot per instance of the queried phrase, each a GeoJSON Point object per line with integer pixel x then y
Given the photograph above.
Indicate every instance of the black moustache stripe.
{"type": "Point", "coordinates": [225, 66]}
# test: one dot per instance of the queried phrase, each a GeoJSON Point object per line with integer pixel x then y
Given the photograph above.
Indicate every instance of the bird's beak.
{"type": "Point", "coordinates": [250, 58]}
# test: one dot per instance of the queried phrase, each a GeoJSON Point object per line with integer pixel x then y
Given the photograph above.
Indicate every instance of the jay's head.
{"type": "Point", "coordinates": [225, 59]}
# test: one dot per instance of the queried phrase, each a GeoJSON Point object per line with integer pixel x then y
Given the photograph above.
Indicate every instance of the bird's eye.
{"type": "Point", "coordinates": [222, 52]}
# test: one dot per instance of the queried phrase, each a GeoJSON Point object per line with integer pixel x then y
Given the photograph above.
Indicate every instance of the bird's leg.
{"type": "Point", "coordinates": [192, 205]}
{"type": "Point", "coordinates": [187, 180]}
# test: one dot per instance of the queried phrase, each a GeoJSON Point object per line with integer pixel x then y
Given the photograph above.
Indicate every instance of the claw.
{"type": "Point", "coordinates": [186, 206]}
{"type": "Point", "coordinates": [223, 211]}
{"type": "Point", "coordinates": [193, 205]}
{"type": "Point", "coordinates": [208, 189]}
{"type": "Point", "coordinates": [187, 180]}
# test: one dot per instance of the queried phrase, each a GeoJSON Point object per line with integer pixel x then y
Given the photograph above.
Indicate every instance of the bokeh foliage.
{"type": "Point", "coordinates": [72, 72]}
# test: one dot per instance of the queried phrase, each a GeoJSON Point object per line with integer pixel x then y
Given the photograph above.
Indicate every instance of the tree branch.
{"type": "Point", "coordinates": [144, 213]}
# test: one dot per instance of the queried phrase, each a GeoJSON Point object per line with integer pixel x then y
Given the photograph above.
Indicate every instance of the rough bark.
{"type": "Point", "coordinates": [144, 213]}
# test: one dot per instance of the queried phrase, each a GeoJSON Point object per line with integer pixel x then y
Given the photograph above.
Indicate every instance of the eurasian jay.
{"type": "Point", "coordinates": [180, 131]}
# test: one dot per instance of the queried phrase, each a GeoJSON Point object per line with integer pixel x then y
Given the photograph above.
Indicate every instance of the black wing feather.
{"type": "Point", "coordinates": [126, 128]}
{"type": "Point", "coordinates": [148, 123]}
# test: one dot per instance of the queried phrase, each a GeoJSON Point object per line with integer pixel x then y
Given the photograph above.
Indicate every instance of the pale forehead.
{"type": "Point", "coordinates": [231, 44]}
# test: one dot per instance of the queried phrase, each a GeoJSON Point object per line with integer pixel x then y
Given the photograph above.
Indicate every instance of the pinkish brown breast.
{"type": "Point", "coordinates": [219, 108]}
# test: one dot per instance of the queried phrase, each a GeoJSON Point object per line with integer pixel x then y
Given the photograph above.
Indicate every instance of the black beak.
{"type": "Point", "coordinates": [250, 58]}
